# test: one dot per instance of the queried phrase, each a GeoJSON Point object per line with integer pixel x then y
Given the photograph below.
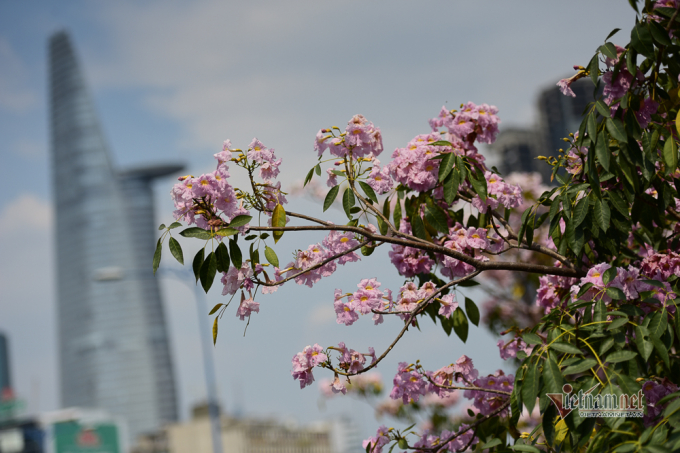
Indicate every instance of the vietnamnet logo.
{"type": "Point", "coordinates": [600, 405]}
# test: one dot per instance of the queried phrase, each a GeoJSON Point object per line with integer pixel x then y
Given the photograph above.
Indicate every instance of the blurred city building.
{"type": "Point", "coordinates": [113, 341]}
{"type": "Point", "coordinates": [5, 375]}
{"type": "Point", "coordinates": [516, 149]}
{"type": "Point", "coordinates": [244, 435]}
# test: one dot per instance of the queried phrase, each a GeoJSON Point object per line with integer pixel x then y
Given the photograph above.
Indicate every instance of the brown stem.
{"type": "Point", "coordinates": [479, 265]}
{"type": "Point", "coordinates": [414, 313]}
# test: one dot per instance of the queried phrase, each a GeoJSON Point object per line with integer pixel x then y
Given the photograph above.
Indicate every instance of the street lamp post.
{"type": "Point", "coordinates": [208, 365]}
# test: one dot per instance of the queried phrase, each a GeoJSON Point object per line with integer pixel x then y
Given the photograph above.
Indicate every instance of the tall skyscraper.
{"type": "Point", "coordinates": [5, 378]}
{"type": "Point", "coordinates": [113, 342]}
{"type": "Point", "coordinates": [558, 115]}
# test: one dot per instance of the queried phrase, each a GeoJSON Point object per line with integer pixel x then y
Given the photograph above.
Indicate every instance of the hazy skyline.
{"type": "Point", "coordinates": [172, 79]}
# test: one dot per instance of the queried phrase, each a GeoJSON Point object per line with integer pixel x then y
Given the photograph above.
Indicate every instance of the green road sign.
{"type": "Point", "coordinates": [74, 437]}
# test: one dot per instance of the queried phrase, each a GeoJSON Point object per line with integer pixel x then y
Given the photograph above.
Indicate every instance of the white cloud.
{"type": "Point", "coordinates": [321, 314]}
{"type": "Point", "coordinates": [26, 213]}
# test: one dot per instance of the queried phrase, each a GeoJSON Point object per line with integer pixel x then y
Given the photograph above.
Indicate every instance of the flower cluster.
{"type": "Point", "coordinates": [459, 373]}
{"type": "Point", "coordinates": [363, 301]}
{"type": "Point", "coordinates": [467, 240]}
{"type": "Point", "coordinates": [382, 438]}
{"type": "Point", "coordinates": [409, 385]}
{"type": "Point", "coordinates": [361, 138]}
{"type": "Point", "coordinates": [415, 166]}
{"type": "Point", "coordinates": [551, 289]}
{"type": "Point", "coordinates": [653, 393]}
{"type": "Point", "coordinates": [336, 243]}
{"type": "Point", "coordinates": [478, 122]}
{"type": "Point", "coordinates": [499, 192]}
{"type": "Point", "coordinates": [200, 200]}
{"type": "Point", "coordinates": [379, 179]}
{"type": "Point", "coordinates": [487, 402]}
{"type": "Point", "coordinates": [510, 349]}
{"type": "Point", "coordinates": [269, 166]}
{"type": "Point", "coordinates": [409, 261]}
{"type": "Point", "coordinates": [304, 361]}
{"type": "Point", "coordinates": [362, 384]}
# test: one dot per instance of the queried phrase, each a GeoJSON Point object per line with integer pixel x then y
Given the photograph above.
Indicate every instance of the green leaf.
{"type": "Point", "coordinates": [616, 129]}
{"type": "Point", "coordinates": [157, 256]}
{"type": "Point", "coordinates": [609, 275]}
{"type": "Point", "coordinates": [574, 237]}
{"type": "Point", "coordinates": [208, 271]}
{"type": "Point", "coordinates": [616, 293]}
{"type": "Point", "coordinates": [367, 251]}
{"type": "Point", "coordinates": [670, 155]}
{"type": "Point", "coordinates": [382, 226]}
{"type": "Point", "coordinates": [594, 69]}
{"type": "Point", "coordinates": [492, 443]}
{"type": "Point", "coordinates": [215, 308]}
{"type": "Point", "coordinates": [222, 255]}
{"type": "Point", "coordinates": [368, 190]}
{"type": "Point", "coordinates": [602, 150]}
{"type": "Point", "coordinates": [174, 225]}
{"type": "Point", "coordinates": [530, 387]}
{"type": "Point", "coordinates": [278, 220]}
{"type": "Point", "coordinates": [396, 215]}
{"type": "Point", "coordinates": [631, 60]}
{"type": "Point", "coordinates": [525, 447]}
{"type": "Point", "coordinates": [592, 127]}
{"type": "Point", "coordinates": [348, 201]}
{"type": "Point", "coordinates": [271, 256]}
{"type": "Point", "coordinates": [620, 356]}
{"type": "Point", "coordinates": [254, 256]}
{"type": "Point", "coordinates": [446, 166]}
{"type": "Point", "coordinates": [472, 311]}
{"type": "Point", "coordinates": [612, 33]}
{"type": "Point", "coordinates": [239, 220]}
{"type": "Point", "coordinates": [224, 232]}
{"type": "Point", "coordinates": [609, 50]}
{"type": "Point", "coordinates": [330, 197]}
{"type": "Point", "coordinates": [643, 343]}
{"type": "Point", "coordinates": [195, 232]}
{"type": "Point", "coordinates": [618, 322]}
{"type": "Point", "coordinates": [403, 444]}
{"type": "Point", "coordinates": [531, 338]}
{"type": "Point", "coordinates": [618, 203]}
{"type": "Point", "coordinates": [451, 184]}
{"type": "Point", "coordinates": [309, 177]}
{"type": "Point", "coordinates": [162, 227]}
{"type": "Point", "coordinates": [436, 217]}
{"type": "Point", "coordinates": [602, 109]}
{"type": "Point", "coordinates": [197, 263]}
{"type": "Point", "coordinates": [580, 367]}
{"type": "Point", "coordinates": [479, 184]}
{"type": "Point", "coordinates": [659, 34]}
{"type": "Point", "coordinates": [317, 169]}
{"type": "Point", "coordinates": [565, 347]}
{"type": "Point", "coordinates": [641, 40]}
{"type": "Point", "coordinates": [460, 324]}
{"type": "Point", "coordinates": [661, 349]}
{"type": "Point", "coordinates": [418, 227]}
{"type": "Point", "coordinates": [581, 210]}
{"type": "Point", "coordinates": [602, 214]}
{"type": "Point", "coordinates": [176, 250]}
{"type": "Point", "coordinates": [552, 377]}
{"type": "Point", "coordinates": [214, 330]}
{"type": "Point", "coordinates": [236, 255]}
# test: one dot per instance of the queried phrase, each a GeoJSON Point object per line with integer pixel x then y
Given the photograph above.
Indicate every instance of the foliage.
{"type": "Point", "coordinates": [592, 259]}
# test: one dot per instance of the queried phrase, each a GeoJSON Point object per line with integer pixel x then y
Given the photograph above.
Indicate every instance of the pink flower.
{"type": "Point", "coordinates": [246, 307]}
{"type": "Point", "coordinates": [382, 438]}
{"type": "Point", "coordinates": [408, 384]}
{"type": "Point", "coordinates": [379, 179]}
{"type": "Point", "coordinates": [304, 361]}
{"type": "Point", "coordinates": [448, 305]}
{"type": "Point", "coordinates": [565, 87]}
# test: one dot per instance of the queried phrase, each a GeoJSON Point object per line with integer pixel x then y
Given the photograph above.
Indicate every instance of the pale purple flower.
{"type": "Point", "coordinates": [409, 386]}
{"type": "Point", "coordinates": [565, 87]}
{"type": "Point", "coordinates": [246, 307]}
{"type": "Point", "coordinates": [448, 305]}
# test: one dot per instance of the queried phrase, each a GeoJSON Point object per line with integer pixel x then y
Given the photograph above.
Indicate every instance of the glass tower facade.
{"type": "Point", "coordinates": [5, 381]}
{"type": "Point", "coordinates": [113, 342]}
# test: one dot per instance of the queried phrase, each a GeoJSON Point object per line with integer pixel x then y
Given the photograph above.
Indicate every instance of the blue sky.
{"type": "Point", "coordinates": [172, 79]}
